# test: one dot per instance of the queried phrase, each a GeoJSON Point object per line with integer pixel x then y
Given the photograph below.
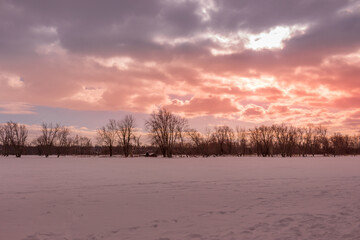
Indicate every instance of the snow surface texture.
{"type": "Point", "coordinates": [181, 198]}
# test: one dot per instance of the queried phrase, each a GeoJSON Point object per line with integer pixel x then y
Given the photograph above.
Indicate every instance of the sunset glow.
{"type": "Point", "coordinates": [241, 63]}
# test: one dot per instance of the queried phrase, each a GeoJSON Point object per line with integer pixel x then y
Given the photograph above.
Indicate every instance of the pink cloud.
{"type": "Point", "coordinates": [278, 109]}
{"type": "Point", "coordinates": [355, 114]}
{"type": "Point", "coordinates": [253, 111]}
{"type": "Point", "coordinates": [346, 102]}
{"type": "Point", "coordinates": [209, 105]}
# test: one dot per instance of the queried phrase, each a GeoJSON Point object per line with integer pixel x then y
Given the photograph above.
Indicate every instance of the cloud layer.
{"type": "Point", "coordinates": [252, 61]}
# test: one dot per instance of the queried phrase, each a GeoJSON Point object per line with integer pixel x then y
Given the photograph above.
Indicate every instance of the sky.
{"type": "Point", "coordinates": [235, 62]}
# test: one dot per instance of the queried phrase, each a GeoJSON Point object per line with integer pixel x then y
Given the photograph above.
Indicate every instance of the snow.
{"type": "Point", "coordinates": [181, 198]}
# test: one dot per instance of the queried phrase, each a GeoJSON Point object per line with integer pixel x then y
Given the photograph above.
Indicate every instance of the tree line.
{"type": "Point", "coordinates": [53, 139]}
{"type": "Point", "coordinates": [170, 134]}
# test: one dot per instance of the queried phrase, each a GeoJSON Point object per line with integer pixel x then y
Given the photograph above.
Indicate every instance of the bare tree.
{"type": "Point", "coordinates": [340, 144]}
{"type": "Point", "coordinates": [322, 140]}
{"type": "Point", "coordinates": [197, 139]}
{"type": "Point", "coordinates": [224, 137]}
{"type": "Point", "coordinates": [125, 133]}
{"type": "Point", "coordinates": [63, 140]}
{"type": "Point", "coordinates": [282, 138]}
{"type": "Point", "coordinates": [182, 130]}
{"type": "Point", "coordinates": [137, 144]}
{"type": "Point", "coordinates": [286, 139]}
{"type": "Point", "coordinates": [165, 129]}
{"type": "Point", "coordinates": [241, 141]}
{"type": "Point", "coordinates": [107, 135]}
{"type": "Point", "coordinates": [17, 135]}
{"type": "Point", "coordinates": [84, 145]}
{"type": "Point", "coordinates": [262, 139]}
{"type": "Point", "coordinates": [356, 144]}
{"type": "Point", "coordinates": [4, 141]}
{"type": "Point", "coordinates": [292, 141]}
{"type": "Point", "coordinates": [255, 141]}
{"type": "Point", "coordinates": [47, 138]}
{"type": "Point", "coordinates": [201, 141]}
{"type": "Point", "coordinates": [305, 140]}
{"type": "Point", "coordinates": [74, 144]}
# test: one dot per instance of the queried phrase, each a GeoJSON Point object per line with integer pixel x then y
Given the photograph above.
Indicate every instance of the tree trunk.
{"type": "Point", "coordinates": [110, 150]}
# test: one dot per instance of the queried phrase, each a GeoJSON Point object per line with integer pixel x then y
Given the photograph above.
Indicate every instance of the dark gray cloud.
{"type": "Point", "coordinates": [336, 34]}
{"type": "Point", "coordinates": [129, 27]}
{"type": "Point", "coordinates": [259, 15]}
{"type": "Point", "coordinates": [340, 34]}
{"type": "Point", "coordinates": [97, 28]}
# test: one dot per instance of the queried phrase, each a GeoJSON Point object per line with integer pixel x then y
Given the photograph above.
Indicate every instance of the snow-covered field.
{"type": "Point", "coordinates": [180, 198]}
